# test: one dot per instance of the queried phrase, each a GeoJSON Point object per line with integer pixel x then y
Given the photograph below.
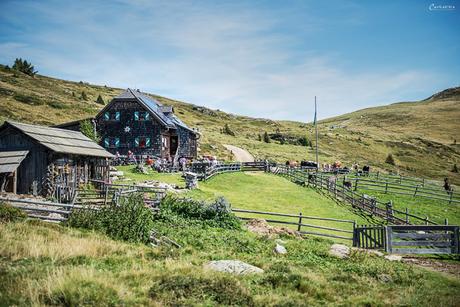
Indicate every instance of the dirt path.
{"type": "Point", "coordinates": [240, 154]}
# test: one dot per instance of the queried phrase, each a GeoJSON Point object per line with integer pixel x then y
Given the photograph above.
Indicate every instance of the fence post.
{"type": "Point", "coordinates": [400, 178]}
{"type": "Point", "coordinates": [106, 194]}
{"type": "Point", "coordinates": [355, 235]}
{"type": "Point", "coordinates": [423, 182]}
{"type": "Point", "coordinates": [300, 222]}
{"type": "Point", "coordinates": [451, 195]}
{"type": "Point", "coordinates": [386, 187]}
{"type": "Point", "coordinates": [446, 221]}
{"type": "Point", "coordinates": [388, 235]}
{"type": "Point", "coordinates": [426, 220]}
{"type": "Point", "coordinates": [416, 189]}
{"type": "Point", "coordinates": [356, 184]}
{"type": "Point", "coordinates": [407, 216]}
{"type": "Point", "coordinates": [389, 211]}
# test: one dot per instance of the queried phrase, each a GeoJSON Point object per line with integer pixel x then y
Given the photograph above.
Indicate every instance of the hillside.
{"type": "Point", "coordinates": [420, 135]}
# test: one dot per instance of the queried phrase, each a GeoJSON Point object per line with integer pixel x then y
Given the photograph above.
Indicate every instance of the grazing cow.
{"type": "Point", "coordinates": [291, 163]}
{"type": "Point", "coordinates": [447, 186]}
{"type": "Point", "coordinates": [366, 169]}
{"type": "Point", "coordinates": [347, 184]}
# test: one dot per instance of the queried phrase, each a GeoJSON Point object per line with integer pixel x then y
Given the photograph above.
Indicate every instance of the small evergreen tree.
{"type": "Point", "coordinates": [266, 137]}
{"type": "Point", "coordinates": [24, 67]}
{"type": "Point", "coordinates": [390, 159]}
{"type": "Point", "coordinates": [99, 100]}
{"type": "Point", "coordinates": [87, 128]}
{"type": "Point", "coordinates": [455, 168]}
{"type": "Point", "coordinates": [259, 137]}
{"type": "Point", "coordinates": [228, 131]}
{"type": "Point", "coordinates": [83, 96]}
{"type": "Point", "coordinates": [73, 94]}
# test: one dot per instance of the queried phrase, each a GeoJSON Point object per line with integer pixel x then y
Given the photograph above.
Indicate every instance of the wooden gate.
{"type": "Point", "coordinates": [422, 239]}
{"type": "Point", "coordinates": [369, 237]}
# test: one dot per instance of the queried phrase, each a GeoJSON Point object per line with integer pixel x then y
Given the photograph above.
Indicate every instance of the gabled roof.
{"type": "Point", "coordinates": [10, 160]}
{"type": "Point", "coordinates": [165, 114]}
{"type": "Point", "coordinates": [61, 140]}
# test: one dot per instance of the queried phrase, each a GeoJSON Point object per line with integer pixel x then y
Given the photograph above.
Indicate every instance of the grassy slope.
{"type": "Point", "coordinates": [418, 134]}
{"type": "Point", "coordinates": [54, 265]}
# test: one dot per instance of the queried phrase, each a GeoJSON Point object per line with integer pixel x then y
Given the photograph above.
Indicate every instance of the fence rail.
{"type": "Point", "coordinates": [299, 222]}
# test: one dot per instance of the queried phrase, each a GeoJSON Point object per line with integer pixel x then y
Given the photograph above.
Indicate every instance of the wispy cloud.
{"type": "Point", "coordinates": [233, 57]}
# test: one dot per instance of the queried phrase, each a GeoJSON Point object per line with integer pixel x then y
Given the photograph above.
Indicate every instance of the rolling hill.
{"type": "Point", "coordinates": [422, 135]}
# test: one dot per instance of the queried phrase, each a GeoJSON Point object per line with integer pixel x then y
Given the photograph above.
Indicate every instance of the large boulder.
{"type": "Point", "coordinates": [339, 251]}
{"type": "Point", "coordinates": [233, 266]}
{"type": "Point", "coordinates": [280, 249]}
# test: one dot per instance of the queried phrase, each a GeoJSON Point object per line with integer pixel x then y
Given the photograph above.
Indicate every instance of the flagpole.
{"type": "Point", "coordinates": [316, 132]}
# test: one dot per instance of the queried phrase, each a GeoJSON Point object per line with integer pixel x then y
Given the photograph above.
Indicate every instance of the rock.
{"type": "Point", "coordinates": [339, 251]}
{"type": "Point", "coordinates": [369, 251]}
{"type": "Point", "coordinates": [233, 266]}
{"type": "Point", "coordinates": [385, 278]}
{"type": "Point", "coordinates": [393, 257]}
{"type": "Point", "coordinates": [280, 249]}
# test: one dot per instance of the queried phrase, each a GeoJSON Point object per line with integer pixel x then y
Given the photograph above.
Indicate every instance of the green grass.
{"type": "Point", "coordinates": [47, 264]}
{"type": "Point", "coordinates": [436, 210]}
{"type": "Point", "coordinates": [130, 173]}
{"type": "Point", "coordinates": [267, 192]}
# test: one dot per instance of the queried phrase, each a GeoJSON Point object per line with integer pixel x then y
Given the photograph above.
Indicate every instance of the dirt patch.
{"type": "Point", "coordinates": [452, 268]}
{"type": "Point", "coordinates": [261, 227]}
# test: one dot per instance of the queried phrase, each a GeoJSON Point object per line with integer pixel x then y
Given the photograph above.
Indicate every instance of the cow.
{"type": "Point", "coordinates": [347, 184]}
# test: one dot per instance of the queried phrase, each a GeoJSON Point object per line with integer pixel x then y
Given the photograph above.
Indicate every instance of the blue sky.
{"type": "Point", "coordinates": [258, 58]}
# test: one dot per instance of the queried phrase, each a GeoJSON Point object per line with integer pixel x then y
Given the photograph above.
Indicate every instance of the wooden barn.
{"type": "Point", "coordinates": [48, 161]}
{"type": "Point", "coordinates": [136, 122]}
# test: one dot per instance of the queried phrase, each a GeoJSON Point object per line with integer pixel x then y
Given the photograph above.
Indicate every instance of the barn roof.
{"type": "Point", "coordinates": [61, 140]}
{"type": "Point", "coordinates": [10, 160]}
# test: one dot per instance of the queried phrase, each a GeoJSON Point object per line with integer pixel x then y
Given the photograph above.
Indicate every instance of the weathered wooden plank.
{"type": "Point", "coordinates": [397, 228]}
{"type": "Point", "coordinates": [423, 236]}
{"type": "Point", "coordinates": [422, 251]}
{"type": "Point", "coordinates": [423, 243]}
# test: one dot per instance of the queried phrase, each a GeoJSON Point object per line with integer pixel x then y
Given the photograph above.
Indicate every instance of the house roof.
{"type": "Point", "coordinates": [61, 140]}
{"type": "Point", "coordinates": [163, 113]}
{"type": "Point", "coordinates": [10, 160]}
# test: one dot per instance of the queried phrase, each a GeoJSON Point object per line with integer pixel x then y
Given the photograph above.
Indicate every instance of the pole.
{"type": "Point", "coordinates": [316, 132]}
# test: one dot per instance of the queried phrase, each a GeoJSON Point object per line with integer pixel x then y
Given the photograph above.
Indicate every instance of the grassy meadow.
{"type": "Point", "coordinates": [420, 135]}
{"type": "Point", "coordinates": [49, 264]}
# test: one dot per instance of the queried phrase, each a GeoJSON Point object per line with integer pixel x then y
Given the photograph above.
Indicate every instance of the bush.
{"type": "Point", "coordinates": [57, 105]}
{"type": "Point", "coordinates": [455, 169]}
{"type": "Point", "coordinates": [228, 131]}
{"type": "Point", "coordinates": [266, 137]}
{"type": "Point", "coordinates": [24, 67]}
{"type": "Point", "coordinates": [9, 213]}
{"type": "Point", "coordinates": [87, 128]}
{"type": "Point", "coordinates": [190, 288]}
{"type": "Point", "coordinates": [217, 213]}
{"type": "Point", "coordinates": [99, 100]}
{"type": "Point", "coordinates": [129, 221]}
{"type": "Point", "coordinates": [32, 100]}
{"type": "Point", "coordinates": [84, 96]}
{"type": "Point", "coordinates": [390, 160]}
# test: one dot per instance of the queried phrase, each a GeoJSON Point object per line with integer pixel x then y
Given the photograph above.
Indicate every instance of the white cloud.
{"type": "Point", "coordinates": [225, 56]}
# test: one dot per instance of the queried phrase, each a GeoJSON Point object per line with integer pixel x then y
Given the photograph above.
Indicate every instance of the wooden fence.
{"type": "Point", "coordinates": [395, 187]}
{"type": "Point", "coordinates": [298, 220]}
{"type": "Point", "coordinates": [366, 203]}
{"type": "Point", "coordinates": [369, 237]}
{"type": "Point", "coordinates": [422, 239]}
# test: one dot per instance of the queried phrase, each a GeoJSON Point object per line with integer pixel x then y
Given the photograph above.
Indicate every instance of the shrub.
{"type": "Point", "coordinates": [24, 67]}
{"type": "Point", "coordinates": [9, 213]}
{"type": "Point", "coordinates": [228, 131]}
{"type": "Point", "coordinates": [217, 213]}
{"type": "Point", "coordinates": [57, 105]}
{"type": "Point", "coordinates": [390, 160]}
{"type": "Point", "coordinates": [455, 168]}
{"type": "Point", "coordinates": [184, 288]}
{"type": "Point", "coordinates": [266, 137]}
{"type": "Point", "coordinates": [129, 221]}
{"type": "Point", "coordinates": [83, 96]}
{"type": "Point", "coordinates": [87, 128]}
{"type": "Point", "coordinates": [100, 100]}
{"type": "Point", "coordinates": [32, 100]}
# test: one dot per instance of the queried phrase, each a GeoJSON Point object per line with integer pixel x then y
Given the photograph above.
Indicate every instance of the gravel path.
{"type": "Point", "coordinates": [240, 154]}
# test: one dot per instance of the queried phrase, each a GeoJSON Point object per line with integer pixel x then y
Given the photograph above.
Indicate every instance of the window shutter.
{"type": "Point", "coordinates": [106, 116]}
{"type": "Point", "coordinates": [147, 115]}
{"type": "Point", "coordinates": [106, 142]}
{"type": "Point", "coordinates": [117, 115]}
{"type": "Point", "coordinates": [136, 142]}
{"type": "Point", "coordinates": [117, 142]}
{"type": "Point", "coordinates": [147, 142]}
{"type": "Point", "coordinates": [136, 115]}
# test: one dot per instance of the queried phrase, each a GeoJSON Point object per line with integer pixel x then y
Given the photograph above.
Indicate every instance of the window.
{"type": "Point", "coordinates": [141, 116]}
{"type": "Point", "coordinates": [142, 142]}
{"type": "Point", "coordinates": [111, 142]}
{"type": "Point", "coordinates": [112, 116]}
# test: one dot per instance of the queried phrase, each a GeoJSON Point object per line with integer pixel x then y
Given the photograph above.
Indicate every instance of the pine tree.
{"type": "Point", "coordinates": [455, 168]}
{"type": "Point", "coordinates": [24, 67]}
{"type": "Point", "coordinates": [266, 137]}
{"type": "Point", "coordinates": [228, 131]}
{"type": "Point", "coordinates": [259, 138]}
{"type": "Point", "coordinates": [84, 96]}
{"type": "Point", "coordinates": [87, 128]}
{"type": "Point", "coordinates": [390, 159]}
{"type": "Point", "coordinates": [99, 100]}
